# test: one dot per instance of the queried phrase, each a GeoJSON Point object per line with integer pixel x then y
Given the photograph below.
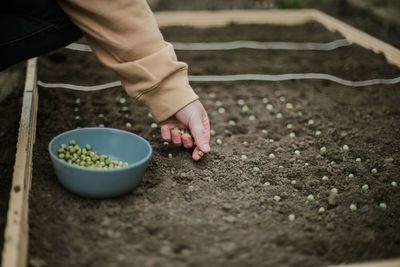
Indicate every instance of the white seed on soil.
{"type": "Point", "coordinates": [300, 113]}
{"type": "Point", "coordinates": [266, 184]}
{"type": "Point", "coordinates": [358, 160]}
{"type": "Point", "coordinates": [256, 169]}
{"type": "Point", "coordinates": [280, 167]}
{"type": "Point", "coordinates": [245, 143]}
{"type": "Point", "coordinates": [231, 122]}
{"type": "Point", "coordinates": [334, 190]}
{"type": "Point", "coordinates": [292, 135]}
{"type": "Point", "coordinates": [297, 152]}
{"type": "Point", "coordinates": [252, 118]}
{"type": "Point", "coordinates": [77, 101]}
{"type": "Point", "coordinates": [310, 122]}
{"type": "Point", "coordinates": [321, 210]}
{"type": "Point", "coordinates": [101, 125]}
{"type": "Point", "coordinates": [218, 141]}
{"type": "Point", "coordinates": [277, 93]}
{"type": "Point", "coordinates": [212, 132]}
{"type": "Point", "coordinates": [351, 175]}
{"type": "Point", "coordinates": [240, 102]}
{"type": "Point", "coordinates": [128, 125]}
{"type": "Point", "coordinates": [318, 133]}
{"type": "Point", "coordinates": [289, 126]}
{"type": "Point", "coordinates": [279, 116]}
{"type": "Point", "coordinates": [293, 182]}
{"type": "Point", "coordinates": [212, 95]}
{"type": "Point", "coordinates": [76, 109]}
{"type": "Point", "coordinates": [100, 115]}
{"type": "Point", "coordinates": [269, 107]}
{"type": "Point", "coordinates": [346, 148]}
{"type": "Point", "coordinates": [282, 99]}
{"type": "Point", "coordinates": [271, 156]}
{"type": "Point", "coordinates": [310, 197]}
{"type": "Point", "coordinates": [77, 117]}
{"type": "Point", "coordinates": [333, 162]}
{"type": "Point", "coordinates": [394, 184]}
{"type": "Point", "coordinates": [292, 217]}
{"type": "Point", "coordinates": [243, 157]}
{"type": "Point", "coordinates": [374, 171]}
{"type": "Point", "coordinates": [265, 100]}
{"type": "Point", "coordinates": [170, 156]}
{"type": "Point", "coordinates": [221, 110]}
{"type": "Point", "coordinates": [365, 187]}
{"type": "Point", "coordinates": [264, 131]}
{"type": "Point", "coordinates": [149, 115]}
{"type": "Point", "coordinates": [289, 105]}
{"type": "Point", "coordinates": [124, 108]}
{"type": "Point", "coordinates": [165, 143]}
{"type": "Point", "coordinates": [325, 178]}
{"type": "Point", "coordinates": [154, 125]}
{"type": "Point", "coordinates": [382, 205]}
{"type": "Point", "coordinates": [277, 198]}
{"type": "Point", "coordinates": [122, 100]}
{"type": "Point", "coordinates": [323, 149]}
{"type": "Point", "coordinates": [245, 108]}
{"type": "Point", "coordinates": [218, 103]}
{"type": "Point", "coordinates": [271, 140]}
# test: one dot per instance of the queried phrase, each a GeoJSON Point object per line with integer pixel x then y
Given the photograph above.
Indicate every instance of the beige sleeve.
{"type": "Point", "coordinates": [125, 37]}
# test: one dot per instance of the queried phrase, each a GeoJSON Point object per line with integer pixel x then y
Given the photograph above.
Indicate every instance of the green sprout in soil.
{"type": "Point", "coordinates": [212, 95]}
{"type": "Point", "coordinates": [271, 156]}
{"type": "Point", "coordinates": [245, 108]}
{"type": "Point", "coordinates": [201, 153]}
{"type": "Point", "coordinates": [86, 157]}
{"type": "Point", "coordinates": [252, 118]}
{"type": "Point", "coordinates": [256, 169]}
{"type": "Point", "coordinates": [245, 143]}
{"type": "Point", "coordinates": [282, 99]}
{"type": "Point", "coordinates": [293, 182]}
{"type": "Point", "coordinates": [289, 126]}
{"type": "Point", "coordinates": [221, 110]}
{"type": "Point", "coordinates": [154, 125]}
{"type": "Point", "coordinates": [218, 103]}
{"type": "Point", "coordinates": [269, 107]}
{"type": "Point", "coordinates": [122, 100]}
{"type": "Point", "coordinates": [77, 101]}
{"type": "Point", "coordinates": [243, 157]}
{"type": "Point", "coordinates": [322, 150]}
{"type": "Point", "coordinates": [128, 125]}
{"type": "Point", "coordinates": [264, 131]}
{"type": "Point", "coordinates": [231, 122]}
{"type": "Point", "coordinates": [279, 116]}
{"type": "Point", "coordinates": [310, 122]}
{"type": "Point", "coordinates": [170, 156]}
{"type": "Point", "coordinates": [265, 100]}
{"type": "Point", "coordinates": [297, 152]}
{"type": "Point", "coordinates": [289, 105]}
{"type": "Point", "coordinates": [240, 102]}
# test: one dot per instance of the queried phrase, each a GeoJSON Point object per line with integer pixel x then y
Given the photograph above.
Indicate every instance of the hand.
{"type": "Point", "coordinates": [194, 117]}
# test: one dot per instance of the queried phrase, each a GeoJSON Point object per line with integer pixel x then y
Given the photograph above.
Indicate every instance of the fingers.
{"type": "Point", "coordinates": [165, 133]}
{"type": "Point", "coordinates": [176, 137]}
{"type": "Point", "coordinates": [187, 140]}
{"type": "Point", "coordinates": [195, 154]}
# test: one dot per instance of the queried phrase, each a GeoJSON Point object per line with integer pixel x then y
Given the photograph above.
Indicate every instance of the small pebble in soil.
{"type": "Point", "coordinates": [252, 118]}
{"type": "Point", "coordinates": [279, 116]}
{"type": "Point", "coordinates": [365, 187]}
{"type": "Point", "coordinates": [325, 178]}
{"type": "Point", "coordinates": [269, 107]}
{"type": "Point", "coordinates": [231, 122]}
{"type": "Point", "coordinates": [128, 125]}
{"type": "Point", "coordinates": [353, 207]}
{"type": "Point", "coordinates": [213, 132]}
{"type": "Point", "coordinates": [297, 152]}
{"type": "Point", "coordinates": [346, 148]}
{"type": "Point", "coordinates": [266, 184]}
{"type": "Point", "coordinates": [289, 126]}
{"type": "Point", "coordinates": [318, 133]}
{"type": "Point", "coordinates": [358, 160]}
{"type": "Point", "coordinates": [292, 135]}
{"type": "Point", "coordinates": [382, 205]}
{"type": "Point", "coordinates": [221, 110]}
{"type": "Point", "coordinates": [122, 100]}
{"type": "Point", "coordinates": [321, 210]}
{"type": "Point", "coordinates": [310, 197]}
{"type": "Point", "coordinates": [245, 108]}
{"type": "Point", "coordinates": [289, 105]}
{"type": "Point", "coordinates": [256, 169]}
{"type": "Point", "coordinates": [170, 156]}
{"type": "Point", "coordinates": [394, 184]}
{"type": "Point", "coordinates": [212, 95]}
{"type": "Point", "coordinates": [240, 102]}
{"type": "Point", "coordinates": [218, 141]}
{"type": "Point", "coordinates": [265, 100]}
{"type": "Point", "coordinates": [218, 103]}
{"type": "Point", "coordinates": [243, 157]}
{"type": "Point", "coordinates": [77, 101]}
{"type": "Point", "coordinates": [334, 190]}
{"type": "Point", "coordinates": [374, 171]}
{"type": "Point", "coordinates": [277, 198]}
{"type": "Point", "coordinates": [153, 125]}
{"type": "Point", "coordinates": [293, 182]}
{"type": "Point", "coordinates": [310, 122]}
{"type": "Point", "coordinates": [351, 176]}
{"type": "Point", "coordinates": [271, 156]}
{"type": "Point", "coordinates": [292, 217]}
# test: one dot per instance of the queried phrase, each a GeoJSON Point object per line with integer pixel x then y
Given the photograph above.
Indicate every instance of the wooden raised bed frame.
{"type": "Point", "coordinates": [16, 236]}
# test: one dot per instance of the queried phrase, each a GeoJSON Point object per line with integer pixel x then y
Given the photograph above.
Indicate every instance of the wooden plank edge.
{"type": "Point", "coordinates": [384, 263]}
{"type": "Point", "coordinates": [224, 17]}
{"type": "Point", "coordinates": [16, 237]}
{"type": "Point", "coordinates": [359, 37]}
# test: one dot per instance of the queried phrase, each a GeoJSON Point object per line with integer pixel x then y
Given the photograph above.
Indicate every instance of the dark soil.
{"type": "Point", "coordinates": [218, 212]}
{"type": "Point", "coordinates": [10, 110]}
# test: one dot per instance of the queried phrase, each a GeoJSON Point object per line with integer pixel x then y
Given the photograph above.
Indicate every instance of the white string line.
{"type": "Point", "coordinates": [242, 44]}
{"type": "Point", "coordinates": [237, 77]}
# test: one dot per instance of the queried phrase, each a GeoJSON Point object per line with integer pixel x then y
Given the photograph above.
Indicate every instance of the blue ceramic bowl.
{"type": "Point", "coordinates": [102, 183]}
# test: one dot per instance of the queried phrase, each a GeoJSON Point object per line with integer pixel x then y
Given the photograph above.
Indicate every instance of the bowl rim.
{"type": "Point", "coordinates": [130, 166]}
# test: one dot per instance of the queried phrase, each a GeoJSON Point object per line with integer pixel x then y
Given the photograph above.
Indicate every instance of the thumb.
{"type": "Point", "coordinates": [200, 128]}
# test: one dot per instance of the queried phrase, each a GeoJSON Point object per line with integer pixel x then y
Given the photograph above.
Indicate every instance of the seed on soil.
{"type": "Point", "coordinates": [292, 217]}
{"type": "Point", "coordinates": [256, 169]}
{"type": "Point", "coordinates": [353, 207]}
{"type": "Point", "coordinates": [122, 100]}
{"type": "Point", "coordinates": [346, 148]}
{"type": "Point", "coordinates": [149, 115]}
{"type": "Point", "coordinates": [351, 176]}
{"type": "Point", "coordinates": [365, 187]}
{"type": "Point", "coordinates": [271, 156]}
{"type": "Point", "coordinates": [101, 125]}
{"type": "Point", "coordinates": [264, 131]}
{"type": "Point", "coordinates": [77, 101]}
{"type": "Point", "coordinates": [318, 133]}
{"type": "Point", "coordinates": [77, 117]}
{"type": "Point", "coordinates": [212, 132]}
{"type": "Point", "coordinates": [277, 93]}
{"type": "Point", "coordinates": [323, 150]}
{"type": "Point", "coordinates": [325, 178]}
{"type": "Point", "coordinates": [252, 118]}
{"type": "Point", "coordinates": [265, 100]}
{"type": "Point", "coordinates": [76, 109]}
{"type": "Point", "coordinates": [165, 143]}
{"type": "Point", "coordinates": [277, 198]}
{"type": "Point", "coordinates": [170, 156]}
{"type": "Point", "coordinates": [128, 125]}
{"type": "Point", "coordinates": [289, 126]}
{"type": "Point", "coordinates": [201, 153]}
{"type": "Point", "coordinates": [289, 105]}
{"type": "Point", "coordinates": [245, 143]}
{"type": "Point", "coordinates": [266, 184]}
{"type": "Point", "coordinates": [300, 113]}
{"type": "Point", "coordinates": [297, 152]}
{"type": "Point", "coordinates": [334, 190]}
{"type": "Point", "coordinates": [101, 115]}
{"type": "Point", "coordinates": [358, 160]}
{"type": "Point", "coordinates": [212, 95]}
{"type": "Point", "coordinates": [245, 108]}
{"type": "Point", "coordinates": [269, 107]}
{"type": "Point", "coordinates": [243, 157]}
{"type": "Point", "coordinates": [218, 103]}
{"type": "Point", "coordinates": [293, 182]}
{"type": "Point", "coordinates": [153, 125]}
{"type": "Point", "coordinates": [310, 197]}
{"type": "Point", "coordinates": [240, 102]}
{"type": "Point", "coordinates": [279, 116]}
{"type": "Point", "coordinates": [374, 171]}
{"type": "Point", "coordinates": [332, 162]}
{"type": "Point", "coordinates": [394, 184]}
{"type": "Point", "coordinates": [218, 141]}
{"type": "Point", "coordinates": [310, 122]}
{"type": "Point", "coordinates": [321, 210]}
{"type": "Point", "coordinates": [282, 99]}
{"type": "Point", "coordinates": [124, 108]}
{"type": "Point", "coordinates": [231, 122]}
{"type": "Point", "coordinates": [221, 110]}
{"type": "Point", "coordinates": [382, 205]}
{"type": "Point", "coordinates": [271, 140]}
{"type": "Point", "coordinates": [292, 135]}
